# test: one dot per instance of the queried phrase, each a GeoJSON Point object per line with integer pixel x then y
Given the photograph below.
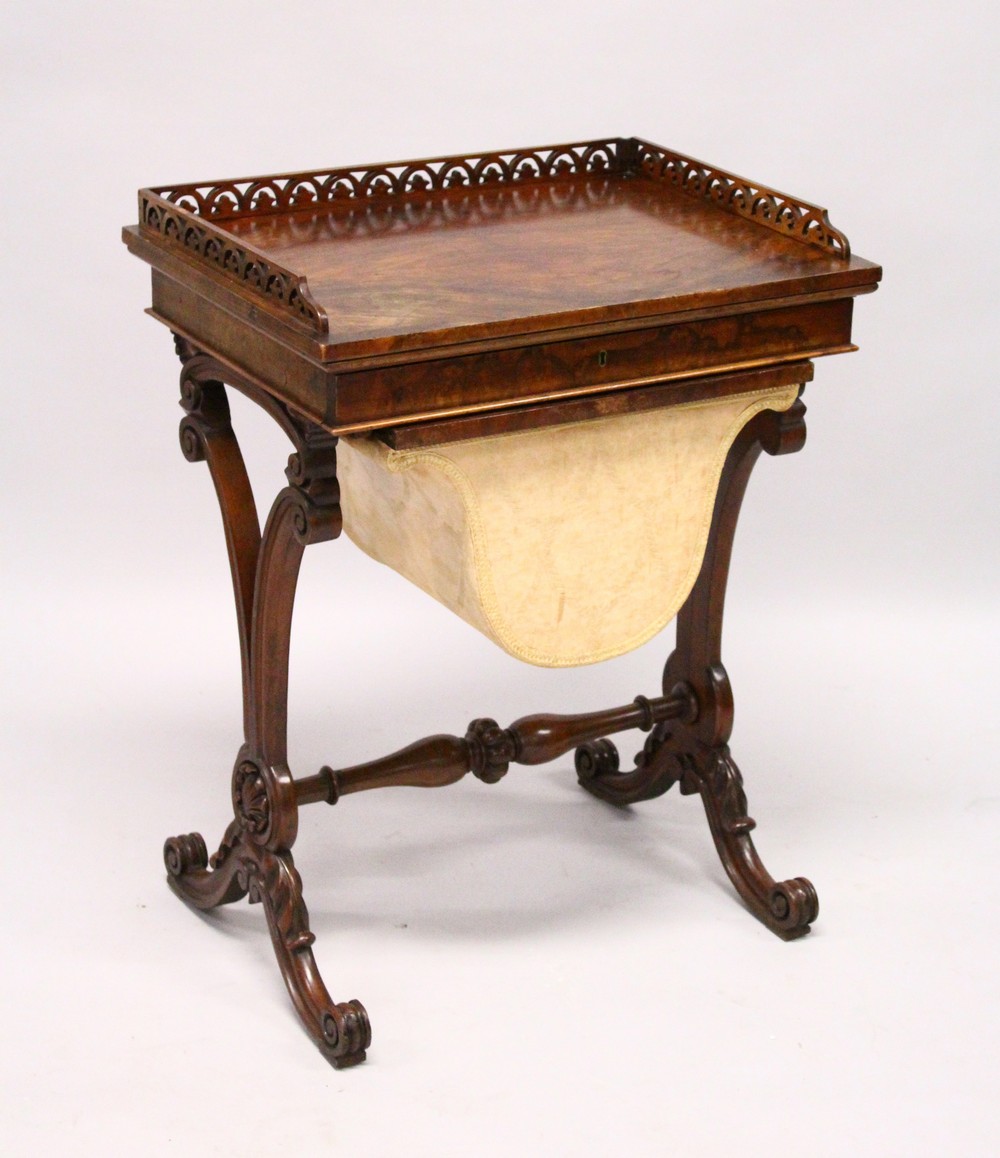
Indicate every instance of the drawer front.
{"type": "Point", "coordinates": [588, 407]}
{"type": "Point", "coordinates": [410, 392]}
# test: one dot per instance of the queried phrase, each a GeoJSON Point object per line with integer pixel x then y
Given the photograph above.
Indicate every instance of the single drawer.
{"type": "Point", "coordinates": [414, 391]}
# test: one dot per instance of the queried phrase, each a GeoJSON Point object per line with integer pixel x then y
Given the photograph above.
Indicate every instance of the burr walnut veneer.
{"type": "Point", "coordinates": [413, 308]}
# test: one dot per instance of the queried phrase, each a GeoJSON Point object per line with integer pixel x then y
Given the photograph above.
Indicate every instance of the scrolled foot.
{"type": "Point", "coordinates": [347, 1034]}
{"type": "Point", "coordinates": [341, 1030]}
{"type": "Point", "coordinates": [794, 906]}
{"type": "Point", "coordinates": [788, 908]}
{"type": "Point", "coordinates": [182, 854]}
{"type": "Point", "coordinates": [597, 765]}
{"type": "Point", "coordinates": [598, 758]}
{"type": "Point", "coordinates": [201, 880]}
{"type": "Point", "coordinates": [242, 868]}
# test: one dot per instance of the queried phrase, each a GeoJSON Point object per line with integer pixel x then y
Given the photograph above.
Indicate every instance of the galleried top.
{"type": "Point", "coordinates": [544, 238]}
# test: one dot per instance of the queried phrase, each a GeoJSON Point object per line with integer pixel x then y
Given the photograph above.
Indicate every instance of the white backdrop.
{"type": "Point", "coordinates": [544, 976]}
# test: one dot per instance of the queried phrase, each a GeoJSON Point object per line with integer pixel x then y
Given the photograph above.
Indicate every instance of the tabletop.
{"type": "Point", "coordinates": [352, 279]}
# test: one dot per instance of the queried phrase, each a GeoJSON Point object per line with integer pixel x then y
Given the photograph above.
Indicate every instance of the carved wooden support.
{"type": "Point", "coordinates": [487, 750]}
{"type": "Point", "coordinates": [786, 907]}
{"type": "Point", "coordinates": [207, 435]}
{"type": "Point", "coordinates": [693, 748]}
{"type": "Point", "coordinates": [688, 726]}
{"type": "Point", "coordinates": [254, 858]}
{"type": "Point", "coordinates": [242, 867]}
{"type": "Point", "coordinates": [597, 769]}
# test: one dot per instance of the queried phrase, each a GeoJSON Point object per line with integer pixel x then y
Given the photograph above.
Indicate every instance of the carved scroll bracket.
{"type": "Point", "coordinates": [312, 471]}
{"type": "Point", "coordinates": [203, 398]}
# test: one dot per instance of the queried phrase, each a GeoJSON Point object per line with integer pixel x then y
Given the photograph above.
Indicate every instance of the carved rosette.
{"type": "Point", "coordinates": [250, 799]}
{"type": "Point", "coordinates": [491, 749]}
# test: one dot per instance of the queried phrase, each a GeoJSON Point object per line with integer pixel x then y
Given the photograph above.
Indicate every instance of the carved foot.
{"type": "Point", "coordinates": [241, 867]}
{"type": "Point", "coordinates": [203, 882]}
{"type": "Point", "coordinates": [597, 766]}
{"type": "Point", "coordinates": [342, 1030]}
{"type": "Point", "coordinates": [788, 908]}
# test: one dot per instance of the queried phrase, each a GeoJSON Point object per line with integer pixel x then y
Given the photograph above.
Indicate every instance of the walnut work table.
{"type": "Point", "coordinates": [497, 359]}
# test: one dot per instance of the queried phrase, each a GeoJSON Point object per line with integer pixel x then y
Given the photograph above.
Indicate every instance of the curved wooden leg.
{"type": "Point", "coordinates": [342, 1030]}
{"type": "Point", "coordinates": [206, 434]}
{"type": "Point", "coordinates": [264, 793]}
{"type": "Point", "coordinates": [240, 867]}
{"type": "Point", "coordinates": [787, 908]}
{"type": "Point", "coordinates": [700, 746]}
{"type": "Point", "coordinates": [255, 856]}
{"type": "Point", "coordinates": [694, 749]}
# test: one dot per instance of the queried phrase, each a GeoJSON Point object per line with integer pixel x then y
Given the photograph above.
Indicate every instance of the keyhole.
{"type": "Point", "coordinates": [602, 358]}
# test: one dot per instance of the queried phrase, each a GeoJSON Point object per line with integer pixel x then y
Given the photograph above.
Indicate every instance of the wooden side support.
{"type": "Point", "coordinates": [694, 750]}
{"type": "Point", "coordinates": [254, 859]}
